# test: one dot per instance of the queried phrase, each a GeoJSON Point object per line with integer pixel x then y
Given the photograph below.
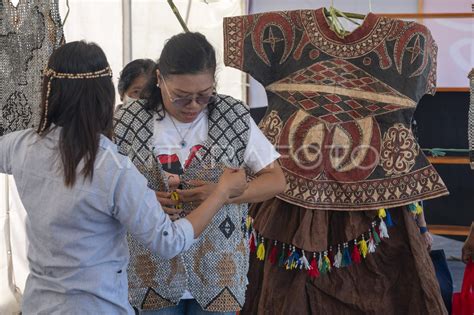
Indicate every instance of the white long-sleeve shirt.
{"type": "Point", "coordinates": [78, 252]}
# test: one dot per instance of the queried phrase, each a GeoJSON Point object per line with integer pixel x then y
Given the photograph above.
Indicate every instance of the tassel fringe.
{"type": "Point", "coordinates": [356, 254]}
{"type": "Point", "coordinates": [313, 272]}
{"type": "Point", "coordinates": [337, 256]}
{"type": "Point", "coordinates": [261, 250]}
{"type": "Point", "coordinates": [346, 257]}
{"type": "Point", "coordinates": [273, 254]}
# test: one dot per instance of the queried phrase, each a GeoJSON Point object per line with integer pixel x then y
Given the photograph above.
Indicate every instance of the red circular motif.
{"type": "Point", "coordinates": [313, 54]}
{"type": "Point", "coordinates": [345, 152]}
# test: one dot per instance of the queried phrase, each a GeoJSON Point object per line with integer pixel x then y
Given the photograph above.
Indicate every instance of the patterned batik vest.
{"type": "Point", "coordinates": [215, 268]}
{"type": "Point", "coordinates": [29, 33]}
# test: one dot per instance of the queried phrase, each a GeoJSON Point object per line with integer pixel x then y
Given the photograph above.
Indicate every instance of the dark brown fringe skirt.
{"type": "Point", "coordinates": [398, 278]}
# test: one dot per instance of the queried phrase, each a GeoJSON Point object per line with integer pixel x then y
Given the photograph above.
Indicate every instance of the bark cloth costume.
{"type": "Point", "coordinates": [341, 239]}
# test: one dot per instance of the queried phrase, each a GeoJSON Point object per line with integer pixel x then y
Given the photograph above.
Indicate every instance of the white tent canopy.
{"type": "Point", "coordinates": [131, 29]}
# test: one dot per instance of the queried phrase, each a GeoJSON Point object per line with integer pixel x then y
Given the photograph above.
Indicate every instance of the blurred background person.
{"type": "Point", "coordinates": [133, 79]}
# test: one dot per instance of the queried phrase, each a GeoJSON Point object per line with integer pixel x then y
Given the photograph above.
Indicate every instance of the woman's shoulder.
{"type": "Point", "coordinates": [233, 103]}
{"type": "Point", "coordinates": [12, 136]}
{"type": "Point", "coordinates": [133, 107]}
{"type": "Point", "coordinates": [129, 112]}
{"type": "Point", "coordinates": [20, 135]}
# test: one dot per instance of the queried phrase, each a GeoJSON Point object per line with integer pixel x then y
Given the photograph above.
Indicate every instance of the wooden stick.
{"type": "Point", "coordinates": [452, 89]}
{"type": "Point", "coordinates": [428, 15]}
{"type": "Point", "coordinates": [178, 16]}
{"type": "Point", "coordinates": [411, 15]}
{"type": "Point", "coordinates": [420, 9]}
{"type": "Point", "coordinates": [458, 160]}
{"type": "Point", "coordinates": [449, 230]}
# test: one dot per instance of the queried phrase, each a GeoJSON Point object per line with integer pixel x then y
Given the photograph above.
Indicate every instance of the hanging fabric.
{"type": "Point", "coordinates": [339, 107]}
{"type": "Point", "coordinates": [339, 113]}
{"type": "Point", "coordinates": [29, 33]}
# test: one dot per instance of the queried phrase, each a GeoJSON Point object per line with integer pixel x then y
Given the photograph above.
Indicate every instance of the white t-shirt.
{"type": "Point", "coordinates": [259, 152]}
{"type": "Point", "coordinates": [174, 158]}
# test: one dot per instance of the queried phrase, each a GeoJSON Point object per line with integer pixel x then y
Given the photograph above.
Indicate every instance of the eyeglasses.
{"type": "Point", "coordinates": [183, 101]}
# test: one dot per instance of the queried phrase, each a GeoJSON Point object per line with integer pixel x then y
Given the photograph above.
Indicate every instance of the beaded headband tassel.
{"type": "Point", "coordinates": [51, 74]}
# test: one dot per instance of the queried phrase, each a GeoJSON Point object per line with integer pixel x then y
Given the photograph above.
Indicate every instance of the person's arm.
{"type": "Point", "coordinates": [468, 248]}
{"type": "Point", "coordinates": [136, 207]}
{"type": "Point", "coordinates": [427, 237]}
{"type": "Point", "coordinates": [267, 183]}
{"type": "Point", "coordinates": [261, 158]}
{"type": "Point", "coordinates": [6, 144]}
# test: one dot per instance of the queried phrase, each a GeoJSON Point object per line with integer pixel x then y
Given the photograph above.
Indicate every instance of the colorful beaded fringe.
{"type": "Point", "coordinates": [337, 256]}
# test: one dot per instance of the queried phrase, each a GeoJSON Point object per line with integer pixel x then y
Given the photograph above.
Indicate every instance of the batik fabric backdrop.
{"type": "Point", "coordinates": [29, 33]}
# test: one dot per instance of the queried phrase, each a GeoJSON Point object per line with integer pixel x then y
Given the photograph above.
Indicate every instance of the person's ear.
{"type": "Point", "coordinates": [158, 76]}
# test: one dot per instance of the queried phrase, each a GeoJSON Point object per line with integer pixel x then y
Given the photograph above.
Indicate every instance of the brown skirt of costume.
{"type": "Point", "coordinates": [398, 278]}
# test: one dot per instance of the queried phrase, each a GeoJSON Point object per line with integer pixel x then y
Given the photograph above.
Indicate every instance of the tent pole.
{"type": "Point", "coordinates": [7, 235]}
{"type": "Point", "coordinates": [126, 31]}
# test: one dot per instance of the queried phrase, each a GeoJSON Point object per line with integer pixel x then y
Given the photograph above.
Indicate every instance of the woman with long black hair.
{"type": "Point", "coordinates": [181, 135]}
{"type": "Point", "coordinates": [81, 196]}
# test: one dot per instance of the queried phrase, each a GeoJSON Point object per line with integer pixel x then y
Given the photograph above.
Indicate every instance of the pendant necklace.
{"type": "Point", "coordinates": [183, 142]}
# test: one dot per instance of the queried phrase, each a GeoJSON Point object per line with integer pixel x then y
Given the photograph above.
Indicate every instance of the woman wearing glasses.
{"type": "Point", "coordinates": [81, 196]}
{"type": "Point", "coordinates": [181, 135]}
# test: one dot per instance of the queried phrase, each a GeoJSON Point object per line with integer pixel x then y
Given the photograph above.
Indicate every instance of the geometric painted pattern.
{"type": "Point", "coordinates": [392, 192]}
{"type": "Point", "coordinates": [341, 73]}
{"type": "Point", "coordinates": [331, 107]}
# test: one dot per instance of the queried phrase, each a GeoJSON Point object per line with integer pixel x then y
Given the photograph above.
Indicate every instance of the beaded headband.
{"type": "Point", "coordinates": [51, 74]}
